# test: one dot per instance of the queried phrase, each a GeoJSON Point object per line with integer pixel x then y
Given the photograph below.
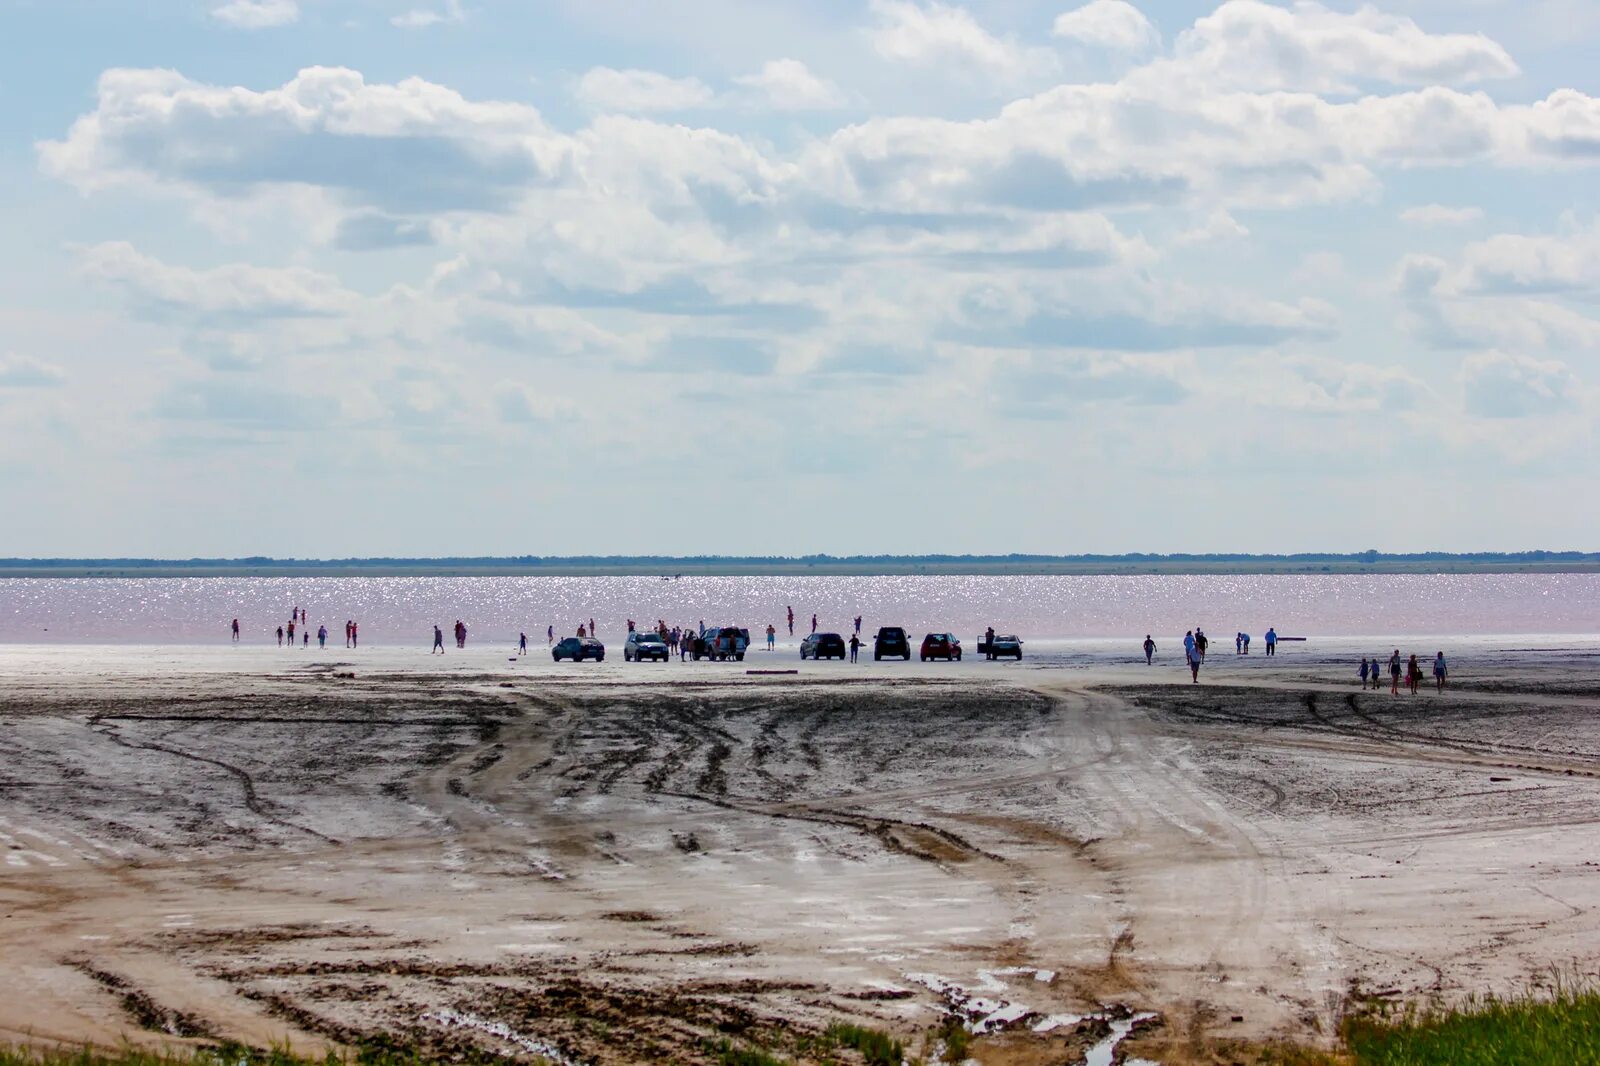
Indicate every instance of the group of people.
{"type": "Point", "coordinates": [1411, 670]}
{"type": "Point", "coordinates": [298, 623]}
{"type": "Point", "coordinates": [1195, 643]}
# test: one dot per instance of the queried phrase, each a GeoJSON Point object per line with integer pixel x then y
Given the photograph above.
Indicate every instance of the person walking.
{"type": "Point", "coordinates": [1200, 641]}
{"type": "Point", "coordinates": [1272, 641]}
{"type": "Point", "coordinates": [438, 641]}
{"type": "Point", "coordinates": [1149, 649]}
{"type": "Point", "coordinates": [322, 636]}
{"type": "Point", "coordinates": [522, 643]}
{"type": "Point", "coordinates": [772, 637]}
{"type": "Point", "coordinates": [1191, 652]}
{"type": "Point", "coordinates": [236, 631]}
{"type": "Point", "coordinates": [855, 646]}
{"type": "Point", "coordinates": [1394, 673]}
{"type": "Point", "coordinates": [1413, 674]}
{"type": "Point", "coordinates": [1440, 673]}
{"type": "Point", "coordinates": [1364, 671]}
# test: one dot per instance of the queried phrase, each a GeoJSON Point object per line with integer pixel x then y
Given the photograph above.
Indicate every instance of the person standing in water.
{"type": "Point", "coordinates": [790, 609]}
{"type": "Point", "coordinates": [322, 636]}
{"type": "Point", "coordinates": [772, 637]}
{"type": "Point", "coordinates": [855, 646]}
{"type": "Point", "coordinates": [550, 634]}
{"type": "Point", "coordinates": [858, 625]}
{"type": "Point", "coordinates": [1363, 673]}
{"type": "Point", "coordinates": [522, 643]}
{"type": "Point", "coordinates": [438, 641]}
{"type": "Point", "coordinates": [813, 625]}
{"type": "Point", "coordinates": [1272, 641]}
{"type": "Point", "coordinates": [305, 637]}
{"type": "Point", "coordinates": [280, 636]}
{"type": "Point", "coordinates": [355, 634]}
{"type": "Point", "coordinates": [1439, 672]}
{"type": "Point", "coordinates": [236, 631]}
{"type": "Point", "coordinates": [1149, 649]}
{"type": "Point", "coordinates": [1394, 673]}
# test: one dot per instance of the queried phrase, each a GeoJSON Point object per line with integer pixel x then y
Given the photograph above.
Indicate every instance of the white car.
{"type": "Point", "coordinates": [642, 646]}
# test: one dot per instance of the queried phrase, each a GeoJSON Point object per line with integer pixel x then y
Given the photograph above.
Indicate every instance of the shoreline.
{"type": "Point", "coordinates": [318, 851]}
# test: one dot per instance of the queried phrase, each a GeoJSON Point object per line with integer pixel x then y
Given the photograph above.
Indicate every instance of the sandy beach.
{"type": "Point", "coordinates": [610, 863]}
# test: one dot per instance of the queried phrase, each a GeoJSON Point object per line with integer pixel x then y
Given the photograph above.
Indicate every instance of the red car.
{"type": "Point", "coordinates": [941, 646]}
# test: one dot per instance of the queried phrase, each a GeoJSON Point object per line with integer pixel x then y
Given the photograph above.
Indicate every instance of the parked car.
{"type": "Point", "coordinates": [1001, 647]}
{"type": "Point", "coordinates": [578, 649]}
{"type": "Point", "coordinates": [891, 640]}
{"type": "Point", "coordinates": [642, 646]}
{"type": "Point", "coordinates": [722, 643]}
{"type": "Point", "coordinates": [823, 646]}
{"type": "Point", "coordinates": [941, 646]}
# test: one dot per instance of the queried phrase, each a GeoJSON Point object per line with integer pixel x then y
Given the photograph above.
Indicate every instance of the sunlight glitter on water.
{"type": "Point", "coordinates": [160, 610]}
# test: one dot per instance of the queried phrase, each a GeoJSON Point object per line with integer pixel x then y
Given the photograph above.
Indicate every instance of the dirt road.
{"type": "Point", "coordinates": [611, 868]}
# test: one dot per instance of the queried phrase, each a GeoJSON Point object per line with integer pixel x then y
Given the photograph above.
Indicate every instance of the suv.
{"type": "Point", "coordinates": [822, 646]}
{"type": "Point", "coordinates": [941, 646]}
{"type": "Point", "coordinates": [726, 642]}
{"type": "Point", "coordinates": [891, 640]}
{"type": "Point", "coordinates": [578, 649]}
{"type": "Point", "coordinates": [642, 646]}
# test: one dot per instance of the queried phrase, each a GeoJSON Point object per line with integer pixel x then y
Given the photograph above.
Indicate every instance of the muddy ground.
{"type": "Point", "coordinates": [629, 867]}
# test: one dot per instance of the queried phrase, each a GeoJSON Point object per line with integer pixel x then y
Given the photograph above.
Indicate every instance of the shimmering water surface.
{"type": "Point", "coordinates": [404, 609]}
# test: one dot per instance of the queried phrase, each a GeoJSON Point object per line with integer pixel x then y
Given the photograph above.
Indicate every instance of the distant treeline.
{"type": "Point", "coordinates": [1014, 563]}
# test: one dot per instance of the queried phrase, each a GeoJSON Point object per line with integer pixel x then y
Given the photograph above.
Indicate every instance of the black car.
{"type": "Point", "coordinates": [823, 646]}
{"type": "Point", "coordinates": [578, 649]}
{"type": "Point", "coordinates": [891, 640]}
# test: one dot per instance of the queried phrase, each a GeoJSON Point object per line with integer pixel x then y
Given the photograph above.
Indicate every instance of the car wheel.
{"type": "Point", "coordinates": [740, 657]}
{"type": "Point", "coordinates": [876, 657]}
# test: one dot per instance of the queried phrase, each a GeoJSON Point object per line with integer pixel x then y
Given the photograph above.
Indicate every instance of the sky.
{"type": "Point", "coordinates": [330, 278]}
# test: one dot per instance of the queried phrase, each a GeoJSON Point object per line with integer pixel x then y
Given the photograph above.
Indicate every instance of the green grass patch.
{"type": "Point", "coordinates": [877, 1048]}
{"type": "Point", "coordinates": [1558, 1026]}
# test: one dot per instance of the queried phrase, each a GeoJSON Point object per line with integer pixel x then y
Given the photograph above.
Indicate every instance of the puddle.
{"type": "Point", "coordinates": [1101, 1053]}
{"type": "Point", "coordinates": [451, 1019]}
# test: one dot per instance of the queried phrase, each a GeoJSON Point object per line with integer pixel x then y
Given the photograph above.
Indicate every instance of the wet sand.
{"type": "Point", "coordinates": [611, 863]}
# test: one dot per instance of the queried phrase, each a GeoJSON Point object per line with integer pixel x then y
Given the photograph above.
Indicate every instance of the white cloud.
{"type": "Point", "coordinates": [1219, 225]}
{"type": "Point", "coordinates": [24, 372]}
{"type": "Point", "coordinates": [935, 34]}
{"type": "Point", "coordinates": [1115, 25]}
{"type": "Point", "coordinates": [1440, 215]}
{"type": "Point", "coordinates": [237, 289]}
{"type": "Point", "coordinates": [605, 89]}
{"type": "Point", "coordinates": [787, 85]}
{"type": "Point", "coordinates": [519, 403]}
{"type": "Point", "coordinates": [423, 17]}
{"type": "Point", "coordinates": [257, 14]}
{"type": "Point", "coordinates": [1497, 385]}
{"type": "Point", "coordinates": [1309, 47]}
{"type": "Point", "coordinates": [1518, 263]}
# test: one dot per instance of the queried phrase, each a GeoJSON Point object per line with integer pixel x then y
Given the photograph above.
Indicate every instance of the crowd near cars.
{"type": "Point", "coordinates": [730, 643]}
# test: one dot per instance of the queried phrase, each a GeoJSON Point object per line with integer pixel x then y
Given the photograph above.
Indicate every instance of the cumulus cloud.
{"type": "Point", "coordinates": [935, 34]}
{"type": "Point", "coordinates": [605, 89]}
{"type": "Point", "coordinates": [787, 85]}
{"type": "Point", "coordinates": [519, 403]}
{"type": "Point", "coordinates": [1519, 263]}
{"type": "Point", "coordinates": [25, 372]}
{"type": "Point", "coordinates": [1308, 47]}
{"type": "Point", "coordinates": [1115, 25]}
{"type": "Point", "coordinates": [1321, 385]}
{"type": "Point", "coordinates": [421, 18]}
{"type": "Point", "coordinates": [257, 14]}
{"type": "Point", "coordinates": [1053, 385]}
{"type": "Point", "coordinates": [237, 289]}
{"type": "Point", "coordinates": [1498, 385]}
{"type": "Point", "coordinates": [412, 145]}
{"type": "Point", "coordinates": [1440, 215]}
{"type": "Point", "coordinates": [245, 405]}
